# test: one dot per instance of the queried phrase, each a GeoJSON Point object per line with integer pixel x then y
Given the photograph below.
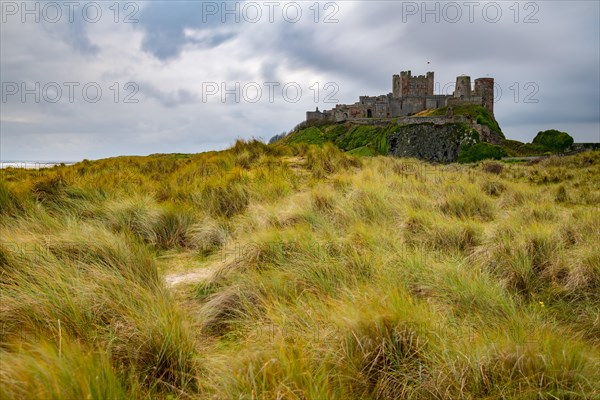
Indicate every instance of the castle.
{"type": "Point", "coordinates": [411, 95]}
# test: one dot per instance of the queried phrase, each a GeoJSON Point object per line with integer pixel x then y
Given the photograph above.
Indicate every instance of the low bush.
{"type": "Point", "coordinates": [480, 151]}
{"type": "Point", "coordinates": [553, 140]}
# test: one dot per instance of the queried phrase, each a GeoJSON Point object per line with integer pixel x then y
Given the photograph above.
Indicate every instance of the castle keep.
{"type": "Point", "coordinates": [411, 95]}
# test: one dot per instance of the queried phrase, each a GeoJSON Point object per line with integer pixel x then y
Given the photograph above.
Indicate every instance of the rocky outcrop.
{"type": "Point", "coordinates": [431, 142]}
{"type": "Point", "coordinates": [487, 135]}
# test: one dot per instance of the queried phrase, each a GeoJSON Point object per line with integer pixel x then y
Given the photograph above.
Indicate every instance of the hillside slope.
{"type": "Point", "coordinates": [443, 143]}
{"type": "Point", "coordinates": [317, 275]}
{"type": "Point", "coordinates": [447, 142]}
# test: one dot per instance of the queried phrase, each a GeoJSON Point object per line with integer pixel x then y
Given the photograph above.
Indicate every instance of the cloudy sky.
{"type": "Point", "coordinates": [98, 79]}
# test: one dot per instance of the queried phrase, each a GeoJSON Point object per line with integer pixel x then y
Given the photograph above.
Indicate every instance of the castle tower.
{"type": "Point", "coordinates": [405, 84]}
{"type": "Point", "coordinates": [463, 87]}
{"type": "Point", "coordinates": [484, 87]}
{"type": "Point", "coordinates": [430, 83]}
{"type": "Point", "coordinates": [405, 77]}
{"type": "Point", "coordinates": [396, 86]}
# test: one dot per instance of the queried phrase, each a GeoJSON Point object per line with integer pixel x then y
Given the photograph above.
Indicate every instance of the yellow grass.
{"type": "Point", "coordinates": [323, 276]}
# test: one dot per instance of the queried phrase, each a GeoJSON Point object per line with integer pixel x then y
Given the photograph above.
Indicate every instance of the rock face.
{"type": "Point", "coordinates": [431, 142]}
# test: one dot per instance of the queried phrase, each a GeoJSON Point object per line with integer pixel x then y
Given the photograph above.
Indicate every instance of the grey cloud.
{"type": "Point", "coordinates": [76, 36]}
{"type": "Point", "coordinates": [370, 43]}
{"type": "Point", "coordinates": [167, 99]}
{"type": "Point", "coordinates": [73, 32]}
{"type": "Point", "coordinates": [563, 62]}
{"type": "Point", "coordinates": [164, 24]}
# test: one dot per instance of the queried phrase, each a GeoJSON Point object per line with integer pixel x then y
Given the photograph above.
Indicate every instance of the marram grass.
{"type": "Point", "coordinates": [324, 276]}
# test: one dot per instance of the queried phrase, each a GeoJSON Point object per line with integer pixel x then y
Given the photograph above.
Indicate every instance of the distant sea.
{"type": "Point", "coordinates": [32, 164]}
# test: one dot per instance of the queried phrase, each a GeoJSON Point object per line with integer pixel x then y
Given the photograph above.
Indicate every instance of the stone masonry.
{"type": "Point", "coordinates": [411, 95]}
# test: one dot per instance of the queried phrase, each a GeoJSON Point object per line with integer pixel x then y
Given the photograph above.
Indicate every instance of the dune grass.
{"type": "Point", "coordinates": [333, 277]}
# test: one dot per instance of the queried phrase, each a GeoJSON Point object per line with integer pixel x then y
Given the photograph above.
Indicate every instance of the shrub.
{"type": "Point", "coordinates": [172, 226]}
{"type": "Point", "coordinates": [136, 215]}
{"type": "Point", "coordinates": [561, 194]}
{"type": "Point", "coordinates": [480, 151]}
{"type": "Point", "coordinates": [517, 149]}
{"type": "Point", "coordinates": [493, 167]}
{"type": "Point", "coordinates": [49, 188]}
{"type": "Point", "coordinates": [493, 188]}
{"type": "Point", "coordinates": [388, 356]}
{"type": "Point", "coordinates": [207, 236]}
{"type": "Point", "coordinates": [223, 309]}
{"type": "Point", "coordinates": [553, 140]}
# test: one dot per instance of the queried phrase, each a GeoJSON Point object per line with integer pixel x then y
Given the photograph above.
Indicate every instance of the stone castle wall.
{"type": "Point", "coordinates": [411, 95]}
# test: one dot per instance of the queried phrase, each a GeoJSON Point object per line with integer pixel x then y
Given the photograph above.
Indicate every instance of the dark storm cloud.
{"type": "Point", "coordinates": [164, 24]}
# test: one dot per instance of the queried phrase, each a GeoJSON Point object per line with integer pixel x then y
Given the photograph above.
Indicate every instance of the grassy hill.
{"type": "Point", "coordinates": [300, 271]}
{"type": "Point", "coordinates": [372, 140]}
{"type": "Point", "coordinates": [478, 113]}
{"type": "Point", "coordinates": [357, 139]}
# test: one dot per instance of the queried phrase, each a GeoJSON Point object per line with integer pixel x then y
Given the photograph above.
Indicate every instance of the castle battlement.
{"type": "Point", "coordinates": [411, 95]}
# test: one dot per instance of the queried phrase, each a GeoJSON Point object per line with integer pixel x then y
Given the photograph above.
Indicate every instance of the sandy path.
{"type": "Point", "coordinates": [185, 269]}
{"type": "Point", "coordinates": [188, 277]}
